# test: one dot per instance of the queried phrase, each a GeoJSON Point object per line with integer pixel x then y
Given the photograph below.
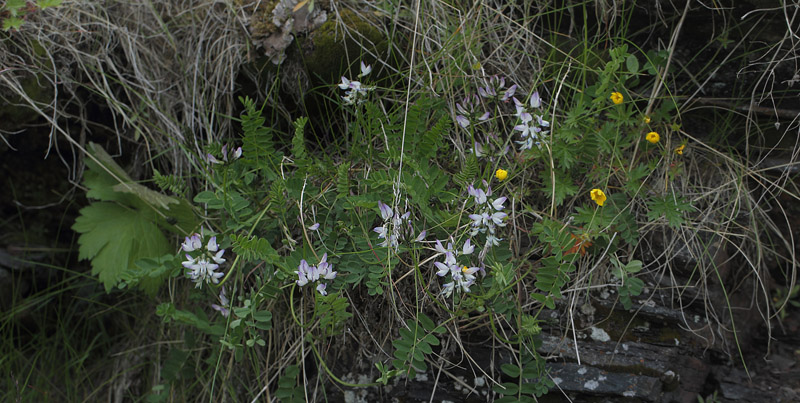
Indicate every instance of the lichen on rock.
{"type": "Point", "coordinates": [274, 24]}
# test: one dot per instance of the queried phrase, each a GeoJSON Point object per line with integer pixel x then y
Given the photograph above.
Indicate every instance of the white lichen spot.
{"type": "Point", "coordinates": [581, 370]}
{"type": "Point", "coordinates": [421, 377]}
{"type": "Point", "coordinates": [349, 396]}
{"type": "Point", "coordinates": [696, 318]}
{"type": "Point", "coordinates": [591, 385]}
{"type": "Point", "coordinates": [677, 342]}
{"type": "Point", "coordinates": [601, 378]}
{"type": "Point", "coordinates": [625, 346]}
{"type": "Point", "coordinates": [650, 303]}
{"type": "Point", "coordinates": [629, 393]}
{"type": "Point", "coordinates": [479, 382]}
{"type": "Point", "coordinates": [447, 401]}
{"type": "Point", "coordinates": [557, 381]}
{"type": "Point", "coordinates": [599, 334]}
{"type": "Point", "coordinates": [669, 374]}
{"type": "Point", "coordinates": [604, 294]}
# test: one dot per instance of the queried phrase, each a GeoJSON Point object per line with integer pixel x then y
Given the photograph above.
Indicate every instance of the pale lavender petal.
{"type": "Point", "coordinates": [386, 211]}
{"type": "Point", "coordinates": [498, 203]}
{"type": "Point", "coordinates": [536, 102]}
{"type": "Point", "coordinates": [468, 247]}
{"type": "Point", "coordinates": [443, 269]}
{"type": "Point", "coordinates": [211, 246]}
{"type": "Point", "coordinates": [345, 83]}
{"type": "Point", "coordinates": [365, 69]}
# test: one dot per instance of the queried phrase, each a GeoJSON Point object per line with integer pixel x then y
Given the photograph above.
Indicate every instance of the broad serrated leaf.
{"type": "Point", "coordinates": [114, 237]}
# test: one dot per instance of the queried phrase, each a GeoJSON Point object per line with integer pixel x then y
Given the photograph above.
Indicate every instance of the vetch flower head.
{"type": "Point", "coordinates": [199, 260]}
{"type": "Point", "coordinates": [501, 174]}
{"type": "Point", "coordinates": [598, 196]}
{"type": "Point", "coordinates": [653, 137]}
{"type": "Point", "coordinates": [462, 277]}
{"type": "Point", "coordinates": [488, 217]}
{"type": "Point", "coordinates": [355, 91]}
{"type": "Point", "coordinates": [392, 229]}
{"type": "Point", "coordinates": [616, 98]}
{"type": "Point", "coordinates": [679, 149]}
{"type": "Point", "coordinates": [496, 85]}
{"type": "Point", "coordinates": [315, 274]}
{"type": "Point", "coordinates": [469, 111]}
{"type": "Point", "coordinates": [202, 271]}
{"type": "Point", "coordinates": [532, 126]}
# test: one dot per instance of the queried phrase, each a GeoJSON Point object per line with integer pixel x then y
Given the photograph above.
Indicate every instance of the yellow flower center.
{"type": "Point", "coordinates": [616, 98]}
{"type": "Point", "coordinates": [653, 137]}
{"type": "Point", "coordinates": [501, 174]}
{"type": "Point", "coordinates": [464, 269]}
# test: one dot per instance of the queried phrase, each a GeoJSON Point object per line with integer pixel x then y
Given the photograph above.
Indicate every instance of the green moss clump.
{"type": "Point", "coordinates": [329, 52]}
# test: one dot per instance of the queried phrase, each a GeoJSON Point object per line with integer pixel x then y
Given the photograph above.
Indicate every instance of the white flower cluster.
{"type": "Point", "coordinates": [462, 277]}
{"type": "Point", "coordinates": [203, 265]}
{"type": "Point", "coordinates": [356, 92]}
{"type": "Point", "coordinates": [392, 229]}
{"type": "Point", "coordinates": [531, 128]}
{"type": "Point", "coordinates": [312, 274]}
{"type": "Point", "coordinates": [489, 216]}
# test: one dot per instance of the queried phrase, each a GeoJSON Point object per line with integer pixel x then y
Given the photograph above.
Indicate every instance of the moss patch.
{"type": "Point", "coordinates": [329, 51]}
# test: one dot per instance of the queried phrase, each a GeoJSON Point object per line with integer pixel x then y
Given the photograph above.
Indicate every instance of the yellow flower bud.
{"type": "Point", "coordinates": [598, 196]}
{"type": "Point", "coordinates": [646, 120]}
{"type": "Point", "coordinates": [501, 174]}
{"type": "Point", "coordinates": [679, 149]}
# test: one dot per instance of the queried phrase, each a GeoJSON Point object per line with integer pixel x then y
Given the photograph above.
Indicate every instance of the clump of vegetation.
{"type": "Point", "coordinates": [503, 174]}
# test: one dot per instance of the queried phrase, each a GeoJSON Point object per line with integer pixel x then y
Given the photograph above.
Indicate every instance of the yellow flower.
{"type": "Point", "coordinates": [653, 137]}
{"type": "Point", "coordinates": [501, 174]}
{"type": "Point", "coordinates": [646, 120]}
{"type": "Point", "coordinates": [679, 149]}
{"type": "Point", "coordinates": [598, 196]}
{"type": "Point", "coordinates": [616, 98]}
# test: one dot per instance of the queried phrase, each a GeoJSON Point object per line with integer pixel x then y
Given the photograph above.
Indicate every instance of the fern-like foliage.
{"type": "Point", "coordinates": [299, 142]}
{"type": "Point", "coordinates": [170, 183]}
{"type": "Point", "coordinates": [468, 172]}
{"type": "Point", "coordinates": [254, 248]}
{"type": "Point", "coordinates": [331, 310]}
{"type": "Point", "coordinates": [431, 140]}
{"type": "Point", "coordinates": [257, 140]}
{"type": "Point", "coordinates": [343, 180]}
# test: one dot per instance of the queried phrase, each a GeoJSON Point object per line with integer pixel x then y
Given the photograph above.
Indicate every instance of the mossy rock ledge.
{"type": "Point", "coordinates": [323, 42]}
